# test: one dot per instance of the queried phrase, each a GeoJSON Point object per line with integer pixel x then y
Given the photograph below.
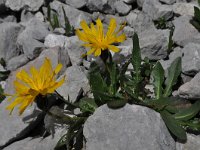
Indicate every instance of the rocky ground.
{"type": "Point", "coordinates": [26, 38]}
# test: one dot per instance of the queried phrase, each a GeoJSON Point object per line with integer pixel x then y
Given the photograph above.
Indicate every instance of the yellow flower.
{"type": "Point", "coordinates": [41, 81]}
{"type": "Point", "coordinates": [95, 38]}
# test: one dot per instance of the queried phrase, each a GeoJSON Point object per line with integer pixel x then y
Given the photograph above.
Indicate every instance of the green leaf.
{"type": "Point", "coordinates": [70, 135]}
{"type": "Point", "coordinates": [199, 2]}
{"type": "Point", "coordinates": [4, 75]}
{"type": "Point", "coordinates": [114, 74]}
{"type": "Point", "coordinates": [173, 72]}
{"type": "Point", "coordinates": [158, 76]}
{"type": "Point", "coordinates": [173, 126]}
{"type": "Point", "coordinates": [193, 125]}
{"type": "Point", "coordinates": [3, 62]}
{"type": "Point", "coordinates": [171, 42]}
{"type": "Point", "coordinates": [87, 105]}
{"type": "Point", "coordinates": [197, 13]}
{"type": "Point", "coordinates": [115, 104]}
{"type": "Point", "coordinates": [56, 21]}
{"type": "Point", "coordinates": [97, 84]}
{"type": "Point", "coordinates": [195, 24]}
{"type": "Point", "coordinates": [189, 113]}
{"type": "Point", "coordinates": [68, 27]}
{"type": "Point", "coordinates": [2, 97]}
{"type": "Point", "coordinates": [136, 56]}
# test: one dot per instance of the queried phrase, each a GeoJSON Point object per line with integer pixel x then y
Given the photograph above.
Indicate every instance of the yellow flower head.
{"type": "Point", "coordinates": [95, 38]}
{"type": "Point", "coordinates": [41, 81]}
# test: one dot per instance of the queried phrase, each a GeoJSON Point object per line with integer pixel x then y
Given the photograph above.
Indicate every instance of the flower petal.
{"type": "Point", "coordinates": [121, 38]}
{"type": "Point", "coordinates": [111, 28]}
{"type": "Point", "coordinates": [81, 35]}
{"type": "Point", "coordinates": [58, 68]}
{"type": "Point", "coordinates": [24, 105]}
{"type": "Point", "coordinates": [92, 50]}
{"type": "Point", "coordinates": [113, 48]}
{"type": "Point", "coordinates": [56, 85]}
{"type": "Point", "coordinates": [97, 52]}
{"type": "Point", "coordinates": [85, 26]}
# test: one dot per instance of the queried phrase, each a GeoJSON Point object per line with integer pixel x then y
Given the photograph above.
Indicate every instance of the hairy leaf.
{"type": "Point", "coordinates": [173, 72]}
{"type": "Point", "coordinates": [2, 97]}
{"type": "Point", "coordinates": [173, 126]}
{"type": "Point", "coordinates": [87, 105]}
{"type": "Point", "coordinates": [68, 27]}
{"type": "Point", "coordinates": [158, 79]}
{"type": "Point", "coordinates": [97, 83]}
{"type": "Point", "coordinates": [114, 104]}
{"type": "Point", "coordinates": [197, 13]}
{"type": "Point", "coordinates": [4, 75]}
{"type": "Point", "coordinates": [189, 113]}
{"type": "Point", "coordinates": [136, 56]}
{"type": "Point", "coordinates": [56, 23]}
{"type": "Point", "coordinates": [195, 24]}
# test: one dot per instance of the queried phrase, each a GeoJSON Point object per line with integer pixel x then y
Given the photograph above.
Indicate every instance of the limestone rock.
{"type": "Point", "coordinates": [76, 80]}
{"type": "Point", "coordinates": [156, 10]}
{"type": "Point", "coordinates": [8, 38]}
{"type": "Point", "coordinates": [122, 8]}
{"type": "Point", "coordinates": [191, 59]}
{"type": "Point", "coordinates": [129, 128]}
{"type": "Point", "coordinates": [17, 5]}
{"type": "Point", "coordinates": [184, 31]}
{"type": "Point", "coordinates": [191, 89]}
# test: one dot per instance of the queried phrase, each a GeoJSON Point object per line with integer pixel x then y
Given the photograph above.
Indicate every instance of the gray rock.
{"type": "Point", "coordinates": [184, 31]}
{"type": "Point", "coordinates": [30, 40]}
{"type": "Point", "coordinates": [76, 80]}
{"type": "Point", "coordinates": [26, 15]}
{"type": "Point", "coordinates": [140, 3]}
{"type": "Point", "coordinates": [72, 46]}
{"type": "Point", "coordinates": [75, 50]}
{"type": "Point", "coordinates": [129, 1]}
{"type": "Point", "coordinates": [125, 50]}
{"type": "Point", "coordinates": [59, 31]}
{"type": "Point", "coordinates": [193, 143]}
{"type": "Point", "coordinates": [97, 15]}
{"type": "Point", "coordinates": [39, 16]}
{"type": "Point", "coordinates": [53, 40]}
{"type": "Point", "coordinates": [119, 19]}
{"type": "Point", "coordinates": [156, 10]}
{"type": "Point", "coordinates": [132, 127]}
{"type": "Point", "coordinates": [47, 143]}
{"type": "Point", "coordinates": [76, 3]}
{"type": "Point", "coordinates": [131, 18]}
{"type": "Point", "coordinates": [179, 8]}
{"type": "Point", "coordinates": [122, 8]}
{"type": "Point", "coordinates": [104, 6]}
{"type": "Point", "coordinates": [154, 43]}
{"type": "Point", "coordinates": [142, 22]}
{"type": "Point", "coordinates": [9, 33]}
{"type": "Point", "coordinates": [191, 59]}
{"type": "Point", "coordinates": [16, 62]}
{"type": "Point", "coordinates": [71, 13]}
{"type": "Point", "coordinates": [186, 78]}
{"type": "Point", "coordinates": [10, 18]}
{"type": "Point", "coordinates": [32, 5]}
{"type": "Point", "coordinates": [11, 125]}
{"type": "Point", "coordinates": [128, 31]}
{"type": "Point", "coordinates": [169, 2]}
{"type": "Point", "coordinates": [191, 90]}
